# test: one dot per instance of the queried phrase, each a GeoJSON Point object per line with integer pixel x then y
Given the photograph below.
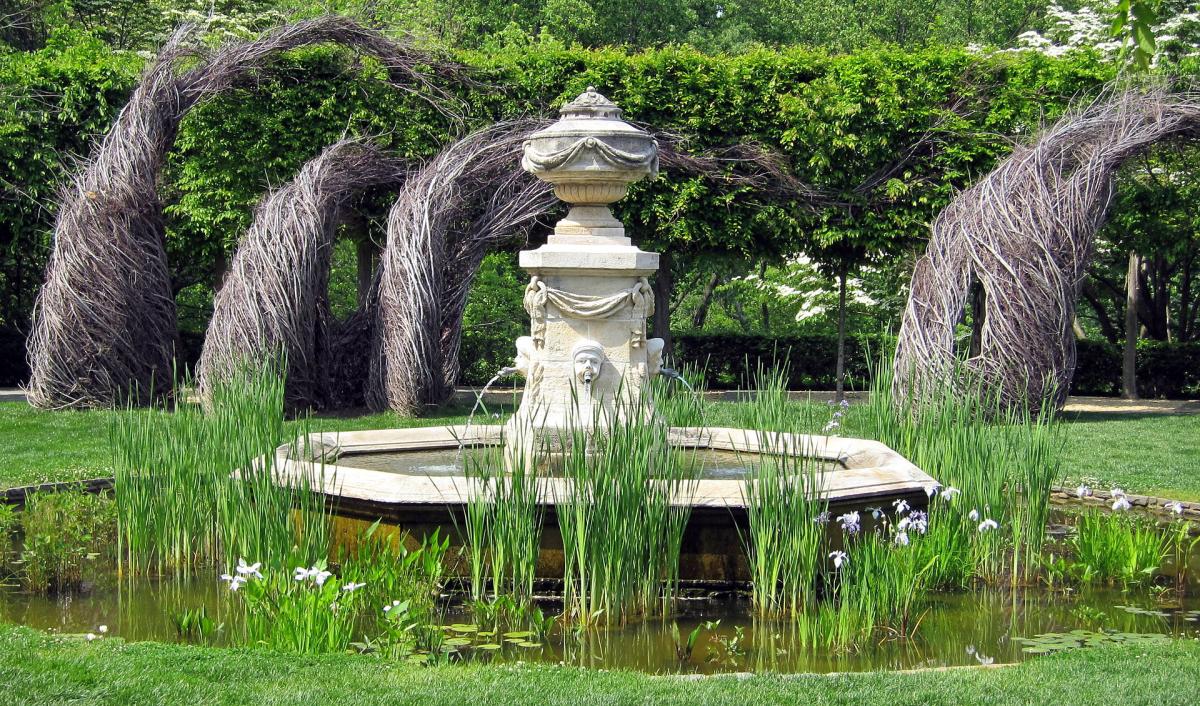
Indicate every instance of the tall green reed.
{"type": "Point", "coordinates": [195, 488]}
{"type": "Point", "coordinates": [785, 508]}
{"type": "Point", "coordinates": [622, 513]}
{"type": "Point", "coordinates": [504, 518]}
{"type": "Point", "coordinates": [1000, 460]}
{"type": "Point", "coordinates": [784, 498]}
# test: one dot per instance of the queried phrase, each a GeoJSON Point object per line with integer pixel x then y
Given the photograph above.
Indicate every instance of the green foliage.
{"type": "Point", "coordinates": [53, 103]}
{"type": "Point", "coordinates": [64, 533]}
{"type": "Point", "coordinates": [494, 318]}
{"type": "Point", "coordinates": [195, 489]}
{"type": "Point", "coordinates": [1116, 548]}
{"type": "Point", "coordinates": [838, 120]}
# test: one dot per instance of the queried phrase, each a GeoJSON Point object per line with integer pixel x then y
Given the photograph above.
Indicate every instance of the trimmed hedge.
{"type": "Point", "coordinates": [1168, 370]}
{"type": "Point", "coordinates": [14, 369]}
{"type": "Point", "coordinates": [728, 361]}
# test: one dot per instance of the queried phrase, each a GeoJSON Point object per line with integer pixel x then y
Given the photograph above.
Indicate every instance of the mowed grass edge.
{"type": "Point", "coordinates": [41, 669]}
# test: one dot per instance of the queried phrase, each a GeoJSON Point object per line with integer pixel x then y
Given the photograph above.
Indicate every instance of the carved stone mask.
{"type": "Point", "coordinates": [589, 359]}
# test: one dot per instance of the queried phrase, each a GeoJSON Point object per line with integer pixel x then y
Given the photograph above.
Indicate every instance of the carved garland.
{"type": "Point", "coordinates": [640, 297]}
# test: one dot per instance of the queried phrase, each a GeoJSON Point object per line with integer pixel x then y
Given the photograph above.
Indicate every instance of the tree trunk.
{"type": "Point", "coordinates": [366, 256]}
{"type": "Point", "coordinates": [706, 297]}
{"type": "Point", "coordinates": [663, 284]}
{"type": "Point", "coordinates": [1107, 326]}
{"type": "Point", "coordinates": [220, 269]}
{"type": "Point", "coordinates": [763, 308]}
{"type": "Point", "coordinates": [841, 342]}
{"type": "Point", "coordinates": [1129, 364]}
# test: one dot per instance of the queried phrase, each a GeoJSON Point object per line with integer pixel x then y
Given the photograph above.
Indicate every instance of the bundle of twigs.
{"type": "Point", "coordinates": [104, 323]}
{"type": "Point", "coordinates": [274, 299]}
{"type": "Point", "coordinates": [1025, 233]}
{"type": "Point", "coordinates": [470, 197]}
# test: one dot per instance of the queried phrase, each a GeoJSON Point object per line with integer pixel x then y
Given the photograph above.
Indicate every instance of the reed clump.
{"type": "Point", "coordinates": [201, 489]}
{"type": "Point", "coordinates": [622, 515]}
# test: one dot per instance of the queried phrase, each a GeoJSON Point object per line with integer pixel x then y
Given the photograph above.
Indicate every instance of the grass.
{"type": "Point", "coordinates": [45, 447]}
{"type": "Point", "coordinates": [1146, 454]}
{"type": "Point", "coordinates": [41, 669]}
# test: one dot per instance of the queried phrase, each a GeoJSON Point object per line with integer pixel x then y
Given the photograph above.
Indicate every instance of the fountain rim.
{"type": "Point", "coordinates": [870, 471]}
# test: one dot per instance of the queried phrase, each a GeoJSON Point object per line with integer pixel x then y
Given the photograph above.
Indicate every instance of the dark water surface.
{"type": "Point", "coordinates": [958, 629]}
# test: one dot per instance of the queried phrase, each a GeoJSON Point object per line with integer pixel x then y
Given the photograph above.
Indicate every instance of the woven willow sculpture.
{"type": "Point", "coordinates": [274, 299]}
{"type": "Point", "coordinates": [1025, 233]}
{"type": "Point", "coordinates": [104, 324]}
{"type": "Point", "coordinates": [465, 201]}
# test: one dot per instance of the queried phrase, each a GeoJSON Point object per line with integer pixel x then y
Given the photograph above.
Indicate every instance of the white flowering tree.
{"type": "Point", "coordinates": [1132, 30]}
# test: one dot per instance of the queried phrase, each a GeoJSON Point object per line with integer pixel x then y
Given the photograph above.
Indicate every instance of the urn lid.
{"type": "Point", "coordinates": [590, 104]}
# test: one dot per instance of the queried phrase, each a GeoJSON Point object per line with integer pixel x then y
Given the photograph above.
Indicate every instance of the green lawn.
{"type": "Point", "coordinates": [40, 447]}
{"type": "Point", "coordinates": [1151, 454]}
{"type": "Point", "coordinates": [1148, 454]}
{"type": "Point", "coordinates": [37, 668]}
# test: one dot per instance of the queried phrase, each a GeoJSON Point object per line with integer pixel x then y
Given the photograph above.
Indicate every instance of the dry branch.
{"type": "Point", "coordinates": [104, 323]}
{"type": "Point", "coordinates": [275, 296]}
{"type": "Point", "coordinates": [1025, 232]}
{"type": "Point", "coordinates": [466, 200]}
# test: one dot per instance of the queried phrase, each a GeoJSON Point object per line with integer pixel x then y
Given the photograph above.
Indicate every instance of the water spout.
{"type": "Point", "coordinates": [675, 375]}
{"type": "Point", "coordinates": [479, 403]}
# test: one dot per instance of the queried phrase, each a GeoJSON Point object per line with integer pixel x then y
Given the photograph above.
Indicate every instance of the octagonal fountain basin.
{"type": "Point", "coordinates": [414, 479]}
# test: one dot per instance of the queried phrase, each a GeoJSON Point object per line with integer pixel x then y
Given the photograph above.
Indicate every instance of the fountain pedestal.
{"type": "Point", "coordinates": [588, 354]}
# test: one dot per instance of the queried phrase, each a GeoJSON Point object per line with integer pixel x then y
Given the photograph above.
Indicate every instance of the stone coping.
{"type": "Point", "coordinates": [1104, 499]}
{"type": "Point", "coordinates": [868, 469]}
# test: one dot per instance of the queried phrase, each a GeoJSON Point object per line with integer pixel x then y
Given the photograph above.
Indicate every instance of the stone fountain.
{"type": "Point", "coordinates": [588, 355]}
{"type": "Point", "coordinates": [586, 361]}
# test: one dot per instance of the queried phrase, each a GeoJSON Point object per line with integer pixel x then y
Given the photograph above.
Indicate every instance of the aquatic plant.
{"type": "Point", "coordinates": [1116, 548]}
{"type": "Point", "coordinates": [622, 514]}
{"type": "Point", "coordinates": [786, 524]}
{"type": "Point", "coordinates": [65, 532]}
{"type": "Point", "coordinates": [389, 567]}
{"type": "Point", "coordinates": [308, 612]}
{"type": "Point", "coordinates": [1001, 460]}
{"type": "Point", "coordinates": [196, 489]}
{"type": "Point", "coordinates": [504, 520]}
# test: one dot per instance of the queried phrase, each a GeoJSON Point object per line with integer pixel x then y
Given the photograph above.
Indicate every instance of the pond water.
{"type": "Point", "coordinates": [711, 464]}
{"type": "Point", "coordinates": [958, 629]}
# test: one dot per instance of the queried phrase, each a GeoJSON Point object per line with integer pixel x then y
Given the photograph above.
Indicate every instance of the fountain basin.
{"type": "Point", "coordinates": [413, 478]}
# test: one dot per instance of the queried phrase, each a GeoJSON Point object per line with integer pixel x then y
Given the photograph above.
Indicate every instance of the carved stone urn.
{"type": "Point", "coordinates": [589, 297]}
{"type": "Point", "coordinates": [591, 157]}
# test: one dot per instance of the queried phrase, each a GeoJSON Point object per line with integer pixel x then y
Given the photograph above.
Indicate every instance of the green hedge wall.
{"type": "Point", "coordinates": [836, 119]}
{"type": "Point", "coordinates": [1168, 370]}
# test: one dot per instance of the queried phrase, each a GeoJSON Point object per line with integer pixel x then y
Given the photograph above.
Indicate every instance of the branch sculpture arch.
{"type": "Point", "coordinates": [275, 297]}
{"type": "Point", "coordinates": [1026, 232]}
{"type": "Point", "coordinates": [104, 323]}
{"type": "Point", "coordinates": [462, 203]}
